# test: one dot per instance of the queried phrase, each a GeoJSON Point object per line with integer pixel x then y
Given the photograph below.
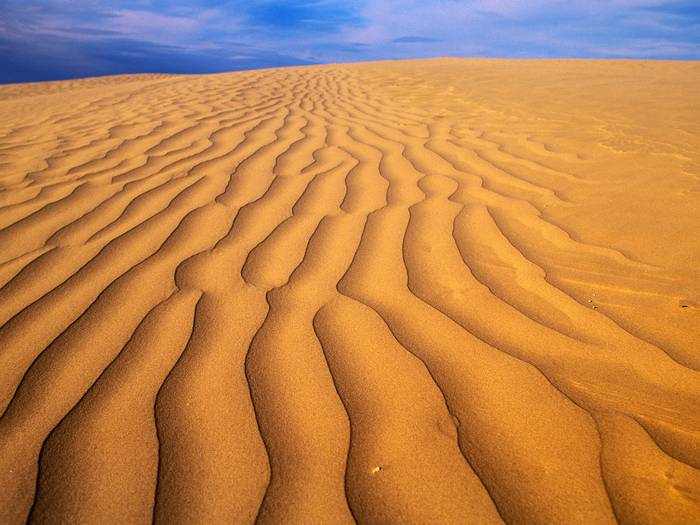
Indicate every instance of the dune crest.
{"type": "Point", "coordinates": [436, 291]}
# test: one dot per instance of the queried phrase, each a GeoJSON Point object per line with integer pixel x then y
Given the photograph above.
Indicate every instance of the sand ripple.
{"type": "Point", "coordinates": [439, 291]}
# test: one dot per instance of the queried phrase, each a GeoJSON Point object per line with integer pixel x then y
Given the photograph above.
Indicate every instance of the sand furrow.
{"type": "Point", "coordinates": [307, 458]}
{"type": "Point", "coordinates": [212, 465]}
{"type": "Point", "coordinates": [403, 439]}
{"type": "Point", "coordinates": [68, 301]}
{"type": "Point", "coordinates": [405, 315]}
{"type": "Point", "coordinates": [115, 419]}
{"type": "Point", "coordinates": [43, 398]}
{"type": "Point", "coordinates": [305, 429]}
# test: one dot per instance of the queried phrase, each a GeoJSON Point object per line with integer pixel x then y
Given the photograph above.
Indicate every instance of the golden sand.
{"type": "Point", "coordinates": [445, 291]}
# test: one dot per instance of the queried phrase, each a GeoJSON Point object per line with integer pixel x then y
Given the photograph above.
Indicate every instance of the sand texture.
{"type": "Point", "coordinates": [440, 291]}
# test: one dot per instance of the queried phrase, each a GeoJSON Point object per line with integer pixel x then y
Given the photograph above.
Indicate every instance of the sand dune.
{"type": "Point", "coordinates": [446, 291]}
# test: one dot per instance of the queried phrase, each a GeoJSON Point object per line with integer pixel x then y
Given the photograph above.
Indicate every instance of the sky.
{"type": "Point", "coordinates": [59, 39]}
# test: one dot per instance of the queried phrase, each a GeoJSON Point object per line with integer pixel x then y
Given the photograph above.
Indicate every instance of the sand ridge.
{"type": "Point", "coordinates": [435, 291]}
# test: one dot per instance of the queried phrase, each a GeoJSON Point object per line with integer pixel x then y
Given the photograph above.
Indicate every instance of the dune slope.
{"type": "Point", "coordinates": [439, 291]}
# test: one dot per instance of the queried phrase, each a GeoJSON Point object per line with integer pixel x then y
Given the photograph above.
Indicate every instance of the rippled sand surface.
{"type": "Point", "coordinates": [439, 291]}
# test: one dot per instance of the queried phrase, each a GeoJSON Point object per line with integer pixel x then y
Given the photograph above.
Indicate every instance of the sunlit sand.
{"type": "Point", "coordinates": [438, 291]}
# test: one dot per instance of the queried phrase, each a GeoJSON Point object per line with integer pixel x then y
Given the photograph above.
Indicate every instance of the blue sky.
{"type": "Point", "coordinates": [56, 39]}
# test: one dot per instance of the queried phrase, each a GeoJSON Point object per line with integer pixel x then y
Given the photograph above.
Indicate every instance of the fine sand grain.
{"type": "Point", "coordinates": [439, 291]}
